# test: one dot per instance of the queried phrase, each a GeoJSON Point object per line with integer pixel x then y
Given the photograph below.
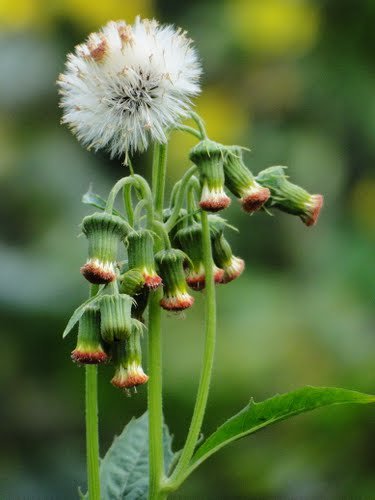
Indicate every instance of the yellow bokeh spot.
{"type": "Point", "coordinates": [363, 204]}
{"type": "Point", "coordinates": [274, 27]}
{"type": "Point", "coordinates": [93, 14]}
{"type": "Point", "coordinates": [18, 14]}
{"type": "Point", "coordinates": [225, 119]}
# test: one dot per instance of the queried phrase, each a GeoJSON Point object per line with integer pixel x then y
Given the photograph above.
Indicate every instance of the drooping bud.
{"type": "Point", "coordinates": [104, 232]}
{"type": "Point", "coordinates": [116, 321]}
{"type": "Point", "coordinates": [190, 241]}
{"type": "Point", "coordinates": [208, 156]}
{"type": "Point", "coordinates": [141, 256]}
{"type": "Point", "coordinates": [241, 182]}
{"type": "Point", "coordinates": [132, 282]}
{"type": "Point", "coordinates": [128, 360]}
{"type": "Point", "coordinates": [224, 258]}
{"type": "Point", "coordinates": [289, 197]}
{"type": "Point", "coordinates": [89, 349]}
{"type": "Point", "coordinates": [170, 265]}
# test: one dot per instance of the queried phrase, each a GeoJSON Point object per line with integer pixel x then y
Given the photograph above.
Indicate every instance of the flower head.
{"type": "Point", "coordinates": [240, 181]}
{"type": "Point", "coordinates": [141, 256]}
{"type": "Point", "coordinates": [289, 197]}
{"type": "Point", "coordinates": [104, 232]}
{"type": "Point", "coordinates": [89, 348]}
{"type": "Point", "coordinates": [171, 268]}
{"type": "Point", "coordinates": [116, 321]}
{"type": "Point", "coordinates": [127, 84]}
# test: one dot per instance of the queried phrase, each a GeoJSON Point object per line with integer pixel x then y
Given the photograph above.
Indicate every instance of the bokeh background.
{"type": "Point", "coordinates": [294, 81]}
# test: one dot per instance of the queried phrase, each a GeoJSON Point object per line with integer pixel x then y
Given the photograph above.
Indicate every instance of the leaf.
{"type": "Point", "coordinates": [93, 199]}
{"type": "Point", "coordinates": [256, 416]}
{"type": "Point", "coordinates": [124, 469]}
{"type": "Point", "coordinates": [75, 317]}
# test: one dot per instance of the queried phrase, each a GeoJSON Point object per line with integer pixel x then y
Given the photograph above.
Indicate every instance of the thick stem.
{"type": "Point", "coordinates": [92, 433]}
{"type": "Point", "coordinates": [204, 384]}
{"type": "Point", "coordinates": [155, 404]}
{"type": "Point", "coordinates": [92, 425]}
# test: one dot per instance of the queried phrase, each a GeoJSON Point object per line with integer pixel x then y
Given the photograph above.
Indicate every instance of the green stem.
{"type": "Point", "coordinates": [155, 403]}
{"type": "Point", "coordinates": [92, 425]}
{"type": "Point", "coordinates": [189, 130]}
{"type": "Point", "coordinates": [128, 205]}
{"type": "Point", "coordinates": [179, 475]}
{"type": "Point", "coordinates": [179, 197]}
{"type": "Point", "coordinates": [198, 120]}
{"type": "Point", "coordinates": [158, 182]}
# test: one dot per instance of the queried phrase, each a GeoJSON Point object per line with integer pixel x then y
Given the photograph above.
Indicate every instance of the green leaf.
{"type": "Point", "coordinates": [124, 469]}
{"type": "Point", "coordinates": [75, 317]}
{"type": "Point", "coordinates": [97, 201]}
{"type": "Point", "coordinates": [256, 416]}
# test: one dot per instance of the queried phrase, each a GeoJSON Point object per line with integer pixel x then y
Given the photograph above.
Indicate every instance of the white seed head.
{"type": "Point", "coordinates": [127, 85]}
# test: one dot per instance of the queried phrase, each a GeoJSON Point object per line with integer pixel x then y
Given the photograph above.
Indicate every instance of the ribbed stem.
{"type": "Point", "coordinates": [204, 384]}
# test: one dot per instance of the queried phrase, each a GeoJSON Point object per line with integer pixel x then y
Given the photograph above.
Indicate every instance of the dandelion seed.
{"type": "Point", "coordinates": [127, 85]}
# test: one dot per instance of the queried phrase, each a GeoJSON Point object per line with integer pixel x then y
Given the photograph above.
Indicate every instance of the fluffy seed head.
{"type": "Point", "coordinates": [128, 84]}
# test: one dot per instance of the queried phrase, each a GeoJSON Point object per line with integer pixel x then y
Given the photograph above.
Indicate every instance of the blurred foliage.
{"type": "Point", "coordinates": [292, 80]}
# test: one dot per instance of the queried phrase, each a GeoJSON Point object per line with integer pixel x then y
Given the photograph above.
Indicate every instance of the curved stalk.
{"type": "Point", "coordinates": [128, 205]}
{"type": "Point", "coordinates": [179, 474]}
{"type": "Point", "coordinates": [179, 197]}
{"type": "Point", "coordinates": [92, 424]}
{"type": "Point", "coordinates": [198, 120]}
{"type": "Point", "coordinates": [189, 130]}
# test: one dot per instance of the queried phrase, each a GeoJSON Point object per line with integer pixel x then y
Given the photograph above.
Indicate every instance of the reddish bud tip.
{"type": "Point", "coordinates": [125, 378]}
{"type": "Point", "coordinates": [85, 357]}
{"type": "Point", "coordinates": [177, 303]}
{"type": "Point", "coordinates": [97, 272]}
{"type": "Point", "coordinates": [197, 281]}
{"type": "Point", "coordinates": [215, 202]}
{"type": "Point", "coordinates": [234, 270]}
{"type": "Point", "coordinates": [313, 210]}
{"type": "Point", "coordinates": [152, 281]}
{"type": "Point", "coordinates": [255, 199]}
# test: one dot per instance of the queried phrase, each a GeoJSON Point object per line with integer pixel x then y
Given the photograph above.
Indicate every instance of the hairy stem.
{"type": "Point", "coordinates": [178, 475]}
{"type": "Point", "coordinates": [92, 425]}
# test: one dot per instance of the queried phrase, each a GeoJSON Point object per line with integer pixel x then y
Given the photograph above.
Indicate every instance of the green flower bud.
{"type": "Point", "coordinates": [190, 241]}
{"type": "Point", "coordinates": [104, 232]}
{"type": "Point", "coordinates": [241, 182]}
{"type": "Point", "coordinates": [141, 256]}
{"type": "Point", "coordinates": [116, 321]}
{"type": "Point", "coordinates": [170, 265]}
{"type": "Point", "coordinates": [89, 349]}
{"type": "Point", "coordinates": [132, 282]}
{"type": "Point", "coordinates": [224, 258]}
{"type": "Point", "coordinates": [289, 197]}
{"type": "Point", "coordinates": [208, 156]}
{"type": "Point", "coordinates": [128, 361]}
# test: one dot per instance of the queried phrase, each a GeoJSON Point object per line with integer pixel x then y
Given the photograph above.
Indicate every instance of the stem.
{"type": "Point", "coordinates": [179, 475]}
{"type": "Point", "coordinates": [155, 387]}
{"type": "Point", "coordinates": [180, 197]}
{"type": "Point", "coordinates": [198, 120]}
{"type": "Point", "coordinates": [155, 404]}
{"type": "Point", "coordinates": [189, 130]}
{"type": "Point", "coordinates": [128, 206]}
{"type": "Point", "coordinates": [158, 181]}
{"type": "Point", "coordinates": [92, 426]}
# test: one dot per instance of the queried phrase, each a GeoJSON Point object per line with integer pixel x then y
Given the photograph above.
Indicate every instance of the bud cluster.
{"type": "Point", "coordinates": [111, 329]}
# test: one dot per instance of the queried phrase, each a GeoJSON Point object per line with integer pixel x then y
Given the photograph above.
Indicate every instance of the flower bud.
{"type": "Point", "coordinates": [128, 358]}
{"type": "Point", "coordinates": [116, 321]}
{"type": "Point", "coordinates": [171, 268]}
{"type": "Point", "coordinates": [141, 256]}
{"type": "Point", "coordinates": [289, 197]}
{"type": "Point", "coordinates": [241, 182]}
{"type": "Point", "coordinates": [224, 258]}
{"type": "Point", "coordinates": [208, 156]}
{"type": "Point", "coordinates": [190, 241]}
{"type": "Point", "coordinates": [104, 232]}
{"type": "Point", "coordinates": [89, 349]}
{"type": "Point", "coordinates": [131, 282]}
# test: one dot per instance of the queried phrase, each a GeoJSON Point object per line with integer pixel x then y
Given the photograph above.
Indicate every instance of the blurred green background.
{"type": "Point", "coordinates": [292, 80]}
